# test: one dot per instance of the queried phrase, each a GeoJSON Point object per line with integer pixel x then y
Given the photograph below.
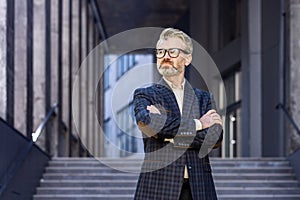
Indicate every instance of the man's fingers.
{"type": "Point", "coordinates": [219, 122]}
{"type": "Point", "coordinates": [210, 112]}
{"type": "Point", "coordinates": [216, 116]}
{"type": "Point", "coordinates": [153, 109]}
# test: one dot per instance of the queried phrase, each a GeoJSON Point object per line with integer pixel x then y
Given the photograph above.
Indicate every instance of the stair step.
{"type": "Point", "coordinates": [108, 179]}
{"type": "Point", "coordinates": [58, 163]}
{"type": "Point", "coordinates": [103, 169]}
{"type": "Point", "coordinates": [92, 176]}
{"type": "Point", "coordinates": [142, 157]}
{"type": "Point", "coordinates": [86, 190]}
{"type": "Point", "coordinates": [83, 197]}
{"type": "Point", "coordinates": [134, 176]}
{"type": "Point", "coordinates": [88, 183]}
{"type": "Point", "coordinates": [254, 176]}
{"type": "Point", "coordinates": [257, 190]}
{"type": "Point", "coordinates": [132, 183]}
{"type": "Point", "coordinates": [260, 196]}
{"type": "Point", "coordinates": [256, 183]}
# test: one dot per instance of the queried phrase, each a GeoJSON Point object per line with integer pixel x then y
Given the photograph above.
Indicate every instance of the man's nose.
{"type": "Point", "coordinates": [167, 55]}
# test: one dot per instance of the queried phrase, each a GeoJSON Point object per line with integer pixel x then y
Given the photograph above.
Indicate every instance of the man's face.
{"type": "Point", "coordinates": [168, 66]}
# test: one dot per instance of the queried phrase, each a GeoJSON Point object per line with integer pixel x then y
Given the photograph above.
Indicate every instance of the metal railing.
{"type": "Point", "coordinates": [288, 116]}
{"type": "Point", "coordinates": [42, 126]}
{"type": "Point", "coordinates": [12, 170]}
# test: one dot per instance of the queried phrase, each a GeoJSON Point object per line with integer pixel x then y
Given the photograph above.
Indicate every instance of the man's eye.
{"type": "Point", "coordinates": [172, 50]}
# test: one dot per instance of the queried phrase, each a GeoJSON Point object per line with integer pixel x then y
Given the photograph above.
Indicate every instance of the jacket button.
{"type": "Point", "coordinates": [190, 167]}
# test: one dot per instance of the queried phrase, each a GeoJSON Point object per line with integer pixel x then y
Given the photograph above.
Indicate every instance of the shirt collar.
{"type": "Point", "coordinates": [173, 86]}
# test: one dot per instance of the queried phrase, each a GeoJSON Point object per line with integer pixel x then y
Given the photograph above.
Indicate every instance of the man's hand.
{"type": "Point", "coordinates": [210, 118]}
{"type": "Point", "coordinates": [153, 109]}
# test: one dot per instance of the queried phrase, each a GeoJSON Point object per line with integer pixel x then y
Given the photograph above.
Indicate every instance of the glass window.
{"type": "Point", "coordinates": [106, 77]}
{"type": "Point", "coordinates": [127, 140]}
{"type": "Point", "coordinates": [229, 21]}
{"type": "Point", "coordinates": [232, 125]}
{"type": "Point", "coordinates": [125, 63]}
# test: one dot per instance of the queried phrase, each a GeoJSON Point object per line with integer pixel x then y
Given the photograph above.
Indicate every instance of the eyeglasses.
{"type": "Point", "coordinates": [173, 52]}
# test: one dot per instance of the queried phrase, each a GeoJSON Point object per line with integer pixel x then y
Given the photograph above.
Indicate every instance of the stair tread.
{"type": "Point", "coordinates": [107, 178]}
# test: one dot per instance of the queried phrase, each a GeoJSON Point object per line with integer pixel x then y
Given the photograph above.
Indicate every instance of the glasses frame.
{"type": "Point", "coordinates": [168, 50]}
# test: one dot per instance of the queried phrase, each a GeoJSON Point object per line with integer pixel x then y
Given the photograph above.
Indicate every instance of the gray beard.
{"type": "Point", "coordinates": [168, 71]}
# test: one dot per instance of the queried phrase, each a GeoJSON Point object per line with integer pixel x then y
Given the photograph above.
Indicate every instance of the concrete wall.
{"type": "Point", "coordinates": [60, 35]}
{"type": "Point", "coordinates": [293, 84]}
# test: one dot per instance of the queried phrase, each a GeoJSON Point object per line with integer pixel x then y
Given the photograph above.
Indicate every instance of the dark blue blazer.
{"type": "Point", "coordinates": [162, 172]}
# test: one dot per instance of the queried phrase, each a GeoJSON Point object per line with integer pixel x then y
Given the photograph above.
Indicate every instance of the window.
{"type": "Point", "coordinates": [107, 71]}
{"type": "Point", "coordinates": [229, 21]}
{"type": "Point", "coordinates": [125, 63]}
{"type": "Point", "coordinates": [106, 78]}
{"type": "Point", "coordinates": [107, 130]}
{"type": "Point", "coordinates": [232, 126]}
{"type": "Point", "coordinates": [127, 131]}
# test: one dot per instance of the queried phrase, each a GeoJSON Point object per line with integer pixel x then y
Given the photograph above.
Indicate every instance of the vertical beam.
{"type": "Point", "coordinates": [83, 81]}
{"type": "Point", "coordinates": [20, 67]}
{"type": "Point", "coordinates": [92, 86]}
{"type": "Point", "coordinates": [70, 58]}
{"type": "Point", "coordinates": [54, 75]}
{"type": "Point", "coordinates": [10, 61]}
{"type": "Point", "coordinates": [39, 52]}
{"type": "Point", "coordinates": [255, 89]}
{"type": "Point", "coordinates": [29, 66]}
{"type": "Point", "coordinates": [87, 78]}
{"type": "Point", "coordinates": [48, 73]}
{"type": "Point", "coordinates": [60, 85]}
{"type": "Point", "coordinates": [3, 70]}
{"type": "Point", "coordinates": [271, 79]}
{"type": "Point", "coordinates": [75, 64]}
{"type": "Point", "coordinates": [80, 127]}
{"type": "Point", "coordinates": [245, 80]}
{"type": "Point", "coordinates": [294, 72]}
{"type": "Point", "coordinates": [96, 92]}
{"type": "Point", "coordinates": [65, 75]}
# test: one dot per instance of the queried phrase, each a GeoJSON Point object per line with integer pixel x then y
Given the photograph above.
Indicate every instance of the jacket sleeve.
{"type": "Point", "coordinates": [212, 136]}
{"type": "Point", "coordinates": [160, 126]}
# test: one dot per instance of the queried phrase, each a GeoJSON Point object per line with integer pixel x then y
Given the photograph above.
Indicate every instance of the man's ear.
{"type": "Point", "coordinates": [188, 59]}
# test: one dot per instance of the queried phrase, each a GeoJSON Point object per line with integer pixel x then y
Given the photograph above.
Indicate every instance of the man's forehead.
{"type": "Point", "coordinates": [173, 42]}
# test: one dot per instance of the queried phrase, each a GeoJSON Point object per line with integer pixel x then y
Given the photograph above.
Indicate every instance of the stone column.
{"type": "Point", "coordinates": [294, 72]}
{"type": "Point", "coordinates": [91, 88]}
{"type": "Point", "coordinates": [20, 66]}
{"type": "Point", "coordinates": [83, 76]}
{"type": "Point", "coordinates": [65, 74]}
{"type": "Point", "coordinates": [255, 90]}
{"type": "Point", "coordinates": [54, 74]}
{"type": "Point", "coordinates": [3, 100]}
{"type": "Point", "coordinates": [75, 66]}
{"type": "Point", "coordinates": [39, 67]}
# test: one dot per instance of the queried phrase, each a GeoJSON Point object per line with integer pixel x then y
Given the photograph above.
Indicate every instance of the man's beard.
{"type": "Point", "coordinates": [168, 70]}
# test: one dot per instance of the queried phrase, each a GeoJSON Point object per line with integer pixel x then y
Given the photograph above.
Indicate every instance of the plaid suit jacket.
{"type": "Point", "coordinates": [162, 172]}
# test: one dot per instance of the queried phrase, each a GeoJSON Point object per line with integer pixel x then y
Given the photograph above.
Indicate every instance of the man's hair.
{"type": "Point", "coordinates": [176, 33]}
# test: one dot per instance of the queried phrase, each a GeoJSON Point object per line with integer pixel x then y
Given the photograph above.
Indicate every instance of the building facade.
{"type": "Point", "coordinates": [43, 46]}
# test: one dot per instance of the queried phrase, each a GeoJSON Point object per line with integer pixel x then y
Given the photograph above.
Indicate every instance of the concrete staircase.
{"type": "Point", "coordinates": [240, 178]}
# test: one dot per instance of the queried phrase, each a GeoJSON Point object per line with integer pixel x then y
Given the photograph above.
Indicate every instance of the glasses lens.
{"type": "Point", "coordinates": [160, 53]}
{"type": "Point", "coordinates": [174, 53]}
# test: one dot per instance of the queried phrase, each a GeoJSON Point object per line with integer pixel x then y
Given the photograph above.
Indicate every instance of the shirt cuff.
{"type": "Point", "coordinates": [198, 124]}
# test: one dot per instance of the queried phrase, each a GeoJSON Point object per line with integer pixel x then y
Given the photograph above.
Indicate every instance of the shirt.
{"type": "Point", "coordinates": [179, 93]}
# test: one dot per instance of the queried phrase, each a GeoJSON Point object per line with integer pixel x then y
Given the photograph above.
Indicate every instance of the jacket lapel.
{"type": "Point", "coordinates": [167, 91]}
{"type": "Point", "coordinates": [188, 99]}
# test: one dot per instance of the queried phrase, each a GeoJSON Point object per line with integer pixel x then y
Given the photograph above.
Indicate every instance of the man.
{"type": "Point", "coordinates": [179, 125]}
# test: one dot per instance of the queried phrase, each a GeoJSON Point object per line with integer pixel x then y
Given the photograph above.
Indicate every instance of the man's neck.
{"type": "Point", "coordinates": [175, 80]}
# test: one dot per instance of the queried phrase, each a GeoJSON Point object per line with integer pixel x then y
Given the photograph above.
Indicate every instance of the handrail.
{"type": "Point", "coordinates": [11, 171]}
{"type": "Point", "coordinates": [291, 120]}
{"type": "Point", "coordinates": [41, 127]}
{"type": "Point", "coordinates": [99, 21]}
